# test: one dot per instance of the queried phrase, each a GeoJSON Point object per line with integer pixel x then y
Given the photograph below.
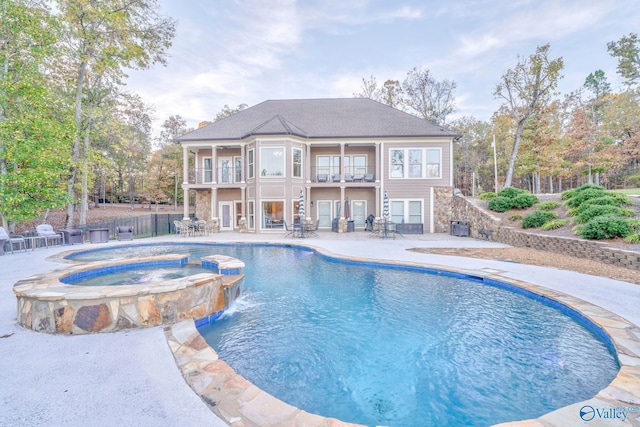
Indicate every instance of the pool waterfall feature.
{"type": "Point", "coordinates": [47, 304]}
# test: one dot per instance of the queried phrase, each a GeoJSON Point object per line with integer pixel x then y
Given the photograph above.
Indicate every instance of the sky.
{"type": "Point", "coordinates": [249, 51]}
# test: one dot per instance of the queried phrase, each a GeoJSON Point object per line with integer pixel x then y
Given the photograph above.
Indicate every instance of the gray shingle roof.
{"type": "Point", "coordinates": [318, 118]}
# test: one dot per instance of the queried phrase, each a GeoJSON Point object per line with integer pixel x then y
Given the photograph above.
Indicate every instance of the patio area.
{"type": "Point", "coordinates": [130, 377]}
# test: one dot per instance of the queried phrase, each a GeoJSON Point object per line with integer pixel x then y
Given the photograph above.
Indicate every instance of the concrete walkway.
{"type": "Point", "coordinates": [130, 378]}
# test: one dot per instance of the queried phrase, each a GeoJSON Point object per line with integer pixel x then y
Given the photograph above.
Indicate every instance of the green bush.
{"type": "Point", "coordinates": [523, 201]}
{"type": "Point", "coordinates": [487, 196]}
{"type": "Point", "coordinates": [572, 212]}
{"type": "Point", "coordinates": [554, 224]}
{"type": "Point", "coordinates": [621, 198]}
{"type": "Point", "coordinates": [594, 211]}
{"type": "Point", "coordinates": [548, 206]}
{"type": "Point", "coordinates": [566, 195]}
{"type": "Point", "coordinates": [537, 218]}
{"type": "Point", "coordinates": [511, 192]}
{"type": "Point", "coordinates": [515, 217]}
{"type": "Point", "coordinates": [605, 227]}
{"type": "Point", "coordinates": [633, 238]}
{"type": "Point", "coordinates": [634, 224]}
{"type": "Point", "coordinates": [599, 201]}
{"type": "Point", "coordinates": [630, 213]}
{"type": "Point", "coordinates": [500, 204]}
{"type": "Point", "coordinates": [580, 196]}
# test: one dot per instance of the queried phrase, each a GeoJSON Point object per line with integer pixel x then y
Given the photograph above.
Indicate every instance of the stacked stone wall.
{"type": "Point", "coordinates": [464, 209]}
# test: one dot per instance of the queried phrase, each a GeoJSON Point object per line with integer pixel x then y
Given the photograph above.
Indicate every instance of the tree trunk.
{"type": "Point", "coordinates": [514, 152]}
{"type": "Point", "coordinates": [75, 159]}
{"type": "Point", "coordinates": [85, 178]}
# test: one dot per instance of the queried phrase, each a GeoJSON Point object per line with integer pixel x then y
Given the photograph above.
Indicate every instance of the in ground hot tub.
{"type": "Point", "coordinates": [47, 304]}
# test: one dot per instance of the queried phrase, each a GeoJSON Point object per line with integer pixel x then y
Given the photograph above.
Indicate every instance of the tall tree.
{"type": "Point", "coordinates": [391, 93]}
{"type": "Point", "coordinates": [522, 88]}
{"type": "Point", "coordinates": [228, 111]}
{"type": "Point", "coordinates": [105, 37]}
{"type": "Point", "coordinates": [432, 100]}
{"type": "Point", "coordinates": [369, 89]}
{"type": "Point", "coordinates": [627, 50]}
{"type": "Point", "coordinates": [32, 122]}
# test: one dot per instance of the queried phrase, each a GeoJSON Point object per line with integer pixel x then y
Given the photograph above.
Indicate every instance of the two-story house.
{"type": "Point", "coordinates": [248, 169]}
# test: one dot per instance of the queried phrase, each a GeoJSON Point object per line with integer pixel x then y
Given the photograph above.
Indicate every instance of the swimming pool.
{"type": "Point", "coordinates": [422, 349]}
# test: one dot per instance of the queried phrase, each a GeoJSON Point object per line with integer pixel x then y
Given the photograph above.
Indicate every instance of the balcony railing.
{"type": "Point", "coordinates": [322, 174]}
{"type": "Point", "coordinates": [319, 174]}
{"type": "Point", "coordinates": [224, 175]}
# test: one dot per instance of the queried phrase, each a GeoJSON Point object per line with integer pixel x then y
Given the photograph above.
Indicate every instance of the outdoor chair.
{"type": "Point", "coordinates": [290, 231]}
{"type": "Point", "coordinates": [212, 226]}
{"type": "Point", "coordinates": [369, 177]}
{"type": "Point", "coordinates": [312, 229]}
{"type": "Point", "coordinates": [16, 239]}
{"type": "Point", "coordinates": [124, 232]}
{"type": "Point", "coordinates": [348, 177]}
{"type": "Point", "coordinates": [335, 178]}
{"type": "Point", "coordinates": [72, 236]}
{"type": "Point", "coordinates": [46, 231]}
{"type": "Point", "coordinates": [322, 177]}
{"type": "Point", "coordinates": [186, 228]}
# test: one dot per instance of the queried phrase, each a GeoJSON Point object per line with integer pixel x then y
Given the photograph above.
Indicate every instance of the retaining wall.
{"type": "Point", "coordinates": [464, 209]}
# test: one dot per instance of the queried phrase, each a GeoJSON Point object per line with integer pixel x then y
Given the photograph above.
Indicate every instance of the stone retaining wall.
{"type": "Point", "coordinates": [47, 305]}
{"type": "Point", "coordinates": [464, 209]}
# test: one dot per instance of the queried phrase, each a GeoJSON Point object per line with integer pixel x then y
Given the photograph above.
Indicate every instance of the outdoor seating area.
{"type": "Point", "coordinates": [48, 235]}
{"type": "Point", "coordinates": [196, 227]}
{"type": "Point", "coordinates": [298, 230]}
{"type": "Point", "coordinates": [11, 241]}
{"type": "Point", "coordinates": [124, 233]}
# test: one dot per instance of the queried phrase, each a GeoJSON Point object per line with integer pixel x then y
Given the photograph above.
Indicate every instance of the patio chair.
{"type": "Point", "coordinates": [124, 232]}
{"type": "Point", "coordinates": [16, 239]}
{"type": "Point", "coordinates": [46, 231]}
{"type": "Point", "coordinates": [322, 177]}
{"type": "Point", "coordinates": [72, 236]}
{"type": "Point", "coordinates": [312, 229]}
{"type": "Point", "coordinates": [369, 223]}
{"type": "Point", "coordinates": [335, 178]}
{"type": "Point", "coordinates": [290, 231]}
{"type": "Point", "coordinates": [348, 177]}
{"type": "Point", "coordinates": [369, 177]}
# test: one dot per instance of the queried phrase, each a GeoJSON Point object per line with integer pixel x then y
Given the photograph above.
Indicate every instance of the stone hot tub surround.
{"type": "Point", "coordinates": [45, 304]}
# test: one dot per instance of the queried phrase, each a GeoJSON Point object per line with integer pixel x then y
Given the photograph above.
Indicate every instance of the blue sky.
{"type": "Point", "coordinates": [233, 52]}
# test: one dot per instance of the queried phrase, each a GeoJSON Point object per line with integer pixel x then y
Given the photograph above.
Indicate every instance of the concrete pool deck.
{"type": "Point", "coordinates": [131, 378]}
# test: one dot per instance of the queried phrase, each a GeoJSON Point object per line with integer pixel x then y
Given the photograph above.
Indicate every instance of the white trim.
{"type": "Point", "coordinates": [431, 211]}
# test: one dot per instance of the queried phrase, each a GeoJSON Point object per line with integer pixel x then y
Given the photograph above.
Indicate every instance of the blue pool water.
{"type": "Point", "coordinates": [387, 346]}
{"type": "Point", "coordinates": [137, 276]}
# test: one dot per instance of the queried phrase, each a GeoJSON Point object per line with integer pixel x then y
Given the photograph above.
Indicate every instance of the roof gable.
{"type": "Point", "coordinates": [319, 118]}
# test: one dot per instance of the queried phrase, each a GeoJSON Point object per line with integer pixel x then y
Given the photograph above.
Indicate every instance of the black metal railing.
{"type": "Point", "coordinates": [223, 175]}
{"type": "Point", "coordinates": [322, 174]}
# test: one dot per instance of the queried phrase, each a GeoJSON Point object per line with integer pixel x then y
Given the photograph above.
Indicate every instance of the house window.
{"type": "Point", "coordinates": [207, 170]}
{"type": "Point", "coordinates": [251, 215]}
{"type": "Point", "coordinates": [433, 162]}
{"type": "Point", "coordinates": [397, 164]}
{"type": "Point", "coordinates": [415, 163]}
{"type": "Point", "coordinates": [406, 211]}
{"type": "Point", "coordinates": [272, 162]}
{"type": "Point", "coordinates": [297, 163]}
{"type": "Point", "coordinates": [272, 214]}
{"type": "Point", "coordinates": [250, 164]}
{"type": "Point", "coordinates": [237, 169]}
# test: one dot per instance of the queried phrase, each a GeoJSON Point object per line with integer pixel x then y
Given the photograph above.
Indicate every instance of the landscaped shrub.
{"type": "Point", "coordinates": [621, 198]}
{"type": "Point", "coordinates": [599, 201]}
{"type": "Point", "coordinates": [633, 238]}
{"type": "Point", "coordinates": [605, 227]}
{"type": "Point", "coordinates": [538, 218]}
{"type": "Point", "coordinates": [548, 206]}
{"type": "Point", "coordinates": [554, 224]}
{"type": "Point", "coordinates": [566, 195]}
{"type": "Point", "coordinates": [500, 204]}
{"type": "Point", "coordinates": [581, 196]}
{"type": "Point", "coordinates": [525, 200]}
{"type": "Point", "coordinates": [572, 212]}
{"type": "Point", "coordinates": [630, 213]}
{"type": "Point", "coordinates": [634, 224]}
{"type": "Point", "coordinates": [515, 217]}
{"type": "Point", "coordinates": [511, 192]}
{"type": "Point", "coordinates": [594, 211]}
{"type": "Point", "coordinates": [487, 196]}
